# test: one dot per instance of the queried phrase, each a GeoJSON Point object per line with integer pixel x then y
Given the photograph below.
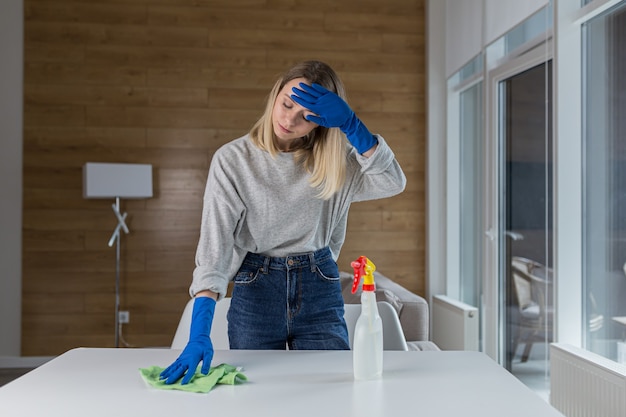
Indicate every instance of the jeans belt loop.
{"type": "Point", "coordinates": [312, 261]}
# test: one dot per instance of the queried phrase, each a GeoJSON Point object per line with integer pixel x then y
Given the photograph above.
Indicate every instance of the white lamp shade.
{"type": "Point", "coordinates": [106, 180]}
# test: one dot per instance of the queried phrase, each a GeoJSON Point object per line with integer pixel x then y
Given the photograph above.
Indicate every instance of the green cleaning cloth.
{"type": "Point", "coordinates": [221, 374]}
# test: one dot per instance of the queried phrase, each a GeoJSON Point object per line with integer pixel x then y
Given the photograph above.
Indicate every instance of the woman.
{"type": "Point", "coordinates": [274, 220]}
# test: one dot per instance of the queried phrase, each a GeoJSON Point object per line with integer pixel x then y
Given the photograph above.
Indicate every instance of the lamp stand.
{"type": "Point", "coordinates": [116, 239]}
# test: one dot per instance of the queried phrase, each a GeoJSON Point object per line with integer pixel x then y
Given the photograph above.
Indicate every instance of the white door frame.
{"type": "Point", "coordinates": [493, 343]}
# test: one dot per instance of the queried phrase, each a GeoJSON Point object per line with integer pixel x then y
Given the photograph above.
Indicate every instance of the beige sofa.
{"type": "Point", "coordinates": [412, 309]}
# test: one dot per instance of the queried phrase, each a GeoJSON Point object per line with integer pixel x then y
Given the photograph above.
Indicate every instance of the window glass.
{"type": "Point", "coordinates": [526, 283]}
{"type": "Point", "coordinates": [517, 40]}
{"type": "Point", "coordinates": [465, 199]}
{"type": "Point", "coordinates": [531, 28]}
{"type": "Point", "coordinates": [466, 89]}
{"type": "Point", "coordinates": [471, 174]}
{"type": "Point", "coordinates": [604, 191]}
{"type": "Point", "coordinates": [475, 66]}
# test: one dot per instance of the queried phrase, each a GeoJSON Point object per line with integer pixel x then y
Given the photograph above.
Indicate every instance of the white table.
{"type": "Point", "coordinates": [106, 382]}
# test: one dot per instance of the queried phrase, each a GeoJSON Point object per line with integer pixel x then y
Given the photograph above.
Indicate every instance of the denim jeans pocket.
{"type": "Point", "coordinates": [247, 274]}
{"type": "Point", "coordinates": [327, 270]}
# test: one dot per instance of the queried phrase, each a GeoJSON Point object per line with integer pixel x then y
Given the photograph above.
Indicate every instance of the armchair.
{"type": "Point", "coordinates": [532, 285]}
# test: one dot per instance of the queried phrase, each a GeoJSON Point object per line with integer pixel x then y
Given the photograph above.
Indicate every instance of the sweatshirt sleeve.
{"type": "Point", "coordinates": [221, 212]}
{"type": "Point", "coordinates": [379, 176]}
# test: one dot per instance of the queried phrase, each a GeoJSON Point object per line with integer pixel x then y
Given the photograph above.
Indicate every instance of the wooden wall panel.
{"type": "Point", "coordinates": [167, 82]}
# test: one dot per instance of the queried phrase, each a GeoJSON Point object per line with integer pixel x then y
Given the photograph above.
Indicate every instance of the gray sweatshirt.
{"type": "Point", "coordinates": [254, 202]}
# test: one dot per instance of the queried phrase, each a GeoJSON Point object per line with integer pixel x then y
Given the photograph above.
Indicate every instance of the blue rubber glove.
{"type": "Point", "coordinates": [199, 348]}
{"type": "Point", "coordinates": [332, 111]}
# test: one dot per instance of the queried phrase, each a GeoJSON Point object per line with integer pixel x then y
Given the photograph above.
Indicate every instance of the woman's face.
{"type": "Point", "coordinates": [289, 118]}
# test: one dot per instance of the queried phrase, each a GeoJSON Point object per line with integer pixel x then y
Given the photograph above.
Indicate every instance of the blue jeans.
{"type": "Point", "coordinates": [292, 302]}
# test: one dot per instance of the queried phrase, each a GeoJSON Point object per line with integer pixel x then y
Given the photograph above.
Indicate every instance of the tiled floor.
{"type": "Point", "coordinates": [534, 373]}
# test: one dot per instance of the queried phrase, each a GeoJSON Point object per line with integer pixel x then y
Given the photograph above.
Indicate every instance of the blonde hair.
{"type": "Point", "coordinates": [323, 151]}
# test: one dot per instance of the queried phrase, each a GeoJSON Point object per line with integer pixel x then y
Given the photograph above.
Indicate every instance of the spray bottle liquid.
{"type": "Point", "coordinates": [367, 348]}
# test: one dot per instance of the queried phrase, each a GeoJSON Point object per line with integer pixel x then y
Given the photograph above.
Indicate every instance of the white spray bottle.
{"type": "Point", "coordinates": [367, 348]}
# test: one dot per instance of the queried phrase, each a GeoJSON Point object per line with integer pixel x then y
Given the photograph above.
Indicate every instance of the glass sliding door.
{"type": "Point", "coordinates": [499, 196]}
{"type": "Point", "coordinates": [525, 241]}
{"type": "Point", "coordinates": [604, 189]}
{"type": "Point", "coordinates": [518, 239]}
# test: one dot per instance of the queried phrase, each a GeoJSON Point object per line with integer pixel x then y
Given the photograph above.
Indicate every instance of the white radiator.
{"type": "Point", "coordinates": [584, 384]}
{"type": "Point", "coordinates": [455, 324]}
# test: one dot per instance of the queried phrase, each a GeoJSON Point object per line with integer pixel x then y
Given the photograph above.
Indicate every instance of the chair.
{"type": "Point", "coordinates": [219, 328]}
{"type": "Point", "coordinates": [533, 288]}
{"type": "Point", "coordinates": [596, 320]}
{"type": "Point", "coordinates": [412, 310]}
{"type": "Point", "coordinates": [532, 284]}
{"type": "Point", "coordinates": [393, 337]}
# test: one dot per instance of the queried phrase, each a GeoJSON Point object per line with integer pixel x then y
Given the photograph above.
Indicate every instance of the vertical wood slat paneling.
{"type": "Point", "coordinates": [167, 82]}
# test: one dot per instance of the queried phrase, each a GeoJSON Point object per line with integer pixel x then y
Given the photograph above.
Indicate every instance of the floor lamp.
{"type": "Point", "coordinates": [108, 180]}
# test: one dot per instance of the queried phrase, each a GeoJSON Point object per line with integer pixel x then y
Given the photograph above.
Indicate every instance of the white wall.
{"type": "Point", "coordinates": [11, 86]}
{"type": "Point", "coordinates": [503, 15]}
{"type": "Point", "coordinates": [436, 138]}
{"type": "Point", "coordinates": [471, 25]}
{"type": "Point", "coordinates": [463, 32]}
